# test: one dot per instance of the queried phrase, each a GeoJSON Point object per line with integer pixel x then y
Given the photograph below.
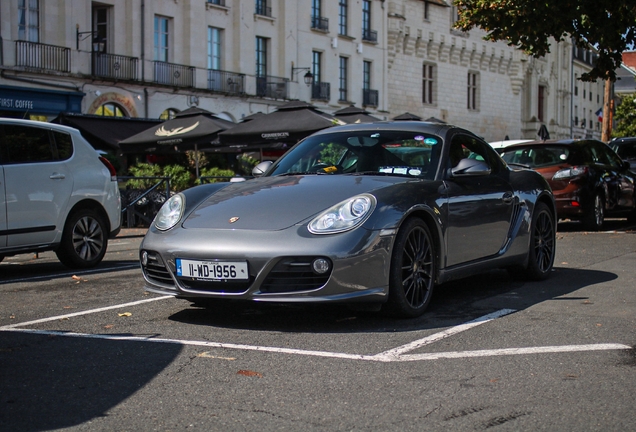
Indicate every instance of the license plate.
{"type": "Point", "coordinates": [212, 270]}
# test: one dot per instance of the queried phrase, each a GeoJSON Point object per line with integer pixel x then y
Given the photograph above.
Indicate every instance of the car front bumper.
{"type": "Point", "coordinates": [278, 264]}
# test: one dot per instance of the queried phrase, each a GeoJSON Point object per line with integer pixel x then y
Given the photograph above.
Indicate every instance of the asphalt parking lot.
{"type": "Point", "coordinates": [92, 351]}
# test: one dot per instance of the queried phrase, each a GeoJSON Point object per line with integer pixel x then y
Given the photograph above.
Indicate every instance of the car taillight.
{"type": "Point", "coordinates": [111, 168]}
{"type": "Point", "coordinates": [571, 172]}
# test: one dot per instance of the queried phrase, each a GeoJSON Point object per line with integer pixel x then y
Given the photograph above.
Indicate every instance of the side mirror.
{"type": "Point", "coordinates": [261, 168]}
{"type": "Point", "coordinates": [470, 167]}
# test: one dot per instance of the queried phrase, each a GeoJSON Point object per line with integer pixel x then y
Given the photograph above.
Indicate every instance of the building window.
{"type": "Point", "coordinates": [168, 114]}
{"type": "Point", "coordinates": [161, 38]}
{"type": "Point", "coordinates": [214, 48]}
{"type": "Point", "coordinates": [316, 63]}
{"type": "Point", "coordinates": [111, 110]}
{"type": "Point", "coordinates": [343, 17]}
{"type": "Point", "coordinates": [262, 9]}
{"type": "Point", "coordinates": [428, 83]}
{"type": "Point", "coordinates": [426, 16]}
{"type": "Point", "coordinates": [315, 10]}
{"type": "Point", "coordinates": [100, 25]}
{"type": "Point", "coordinates": [342, 82]}
{"type": "Point", "coordinates": [366, 75]}
{"type": "Point", "coordinates": [473, 93]}
{"type": "Point", "coordinates": [29, 20]}
{"type": "Point", "coordinates": [541, 104]}
{"type": "Point", "coordinates": [366, 16]}
{"type": "Point", "coordinates": [261, 56]}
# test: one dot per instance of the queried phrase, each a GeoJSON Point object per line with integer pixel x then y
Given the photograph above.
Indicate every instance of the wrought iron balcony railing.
{"type": "Point", "coordinates": [42, 56]}
{"type": "Point", "coordinates": [320, 23]}
{"type": "Point", "coordinates": [115, 66]}
{"type": "Point", "coordinates": [174, 74]}
{"type": "Point", "coordinates": [320, 91]}
{"type": "Point", "coordinates": [272, 87]}
{"type": "Point", "coordinates": [370, 97]}
{"type": "Point", "coordinates": [263, 9]}
{"type": "Point", "coordinates": [369, 35]}
{"type": "Point", "coordinates": [226, 82]}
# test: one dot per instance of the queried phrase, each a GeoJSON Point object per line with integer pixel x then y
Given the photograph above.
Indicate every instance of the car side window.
{"type": "Point", "coordinates": [466, 146]}
{"type": "Point", "coordinates": [63, 144]}
{"type": "Point", "coordinates": [27, 144]}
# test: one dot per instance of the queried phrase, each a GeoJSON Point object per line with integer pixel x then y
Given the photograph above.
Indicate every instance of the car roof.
{"type": "Point", "coordinates": [506, 143]}
{"type": "Point", "coordinates": [41, 124]}
{"type": "Point", "coordinates": [623, 140]}
{"type": "Point", "coordinates": [432, 128]}
{"type": "Point", "coordinates": [560, 142]}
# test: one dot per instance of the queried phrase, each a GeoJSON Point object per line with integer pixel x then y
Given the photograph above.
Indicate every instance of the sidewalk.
{"type": "Point", "coordinates": [132, 232]}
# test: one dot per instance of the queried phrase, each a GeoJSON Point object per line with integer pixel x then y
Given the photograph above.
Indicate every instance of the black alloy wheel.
{"type": "Point", "coordinates": [84, 240]}
{"type": "Point", "coordinates": [542, 246]}
{"type": "Point", "coordinates": [595, 217]}
{"type": "Point", "coordinates": [412, 276]}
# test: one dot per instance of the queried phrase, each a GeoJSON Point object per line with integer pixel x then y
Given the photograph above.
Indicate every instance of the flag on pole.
{"type": "Point", "coordinates": [599, 114]}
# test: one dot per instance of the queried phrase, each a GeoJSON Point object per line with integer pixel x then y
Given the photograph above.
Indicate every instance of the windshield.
{"type": "Point", "coordinates": [368, 152]}
{"type": "Point", "coordinates": [536, 157]}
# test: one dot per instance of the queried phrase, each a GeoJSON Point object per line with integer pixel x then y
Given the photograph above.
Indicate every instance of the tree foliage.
{"type": "Point", "coordinates": [625, 117]}
{"type": "Point", "coordinates": [609, 26]}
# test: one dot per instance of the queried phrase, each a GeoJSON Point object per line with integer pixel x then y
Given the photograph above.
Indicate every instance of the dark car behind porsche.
{"type": "Point", "coordinates": [588, 179]}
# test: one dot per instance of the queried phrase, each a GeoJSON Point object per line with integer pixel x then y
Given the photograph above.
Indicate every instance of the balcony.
{"type": "Point", "coordinates": [226, 82]}
{"type": "Point", "coordinates": [113, 66]}
{"type": "Point", "coordinates": [369, 35]}
{"type": "Point", "coordinates": [262, 9]}
{"type": "Point", "coordinates": [320, 91]}
{"type": "Point", "coordinates": [320, 23]}
{"type": "Point", "coordinates": [217, 2]}
{"type": "Point", "coordinates": [172, 74]}
{"type": "Point", "coordinates": [370, 97]}
{"type": "Point", "coordinates": [271, 87]}
{"type": "Point", "coordinates": [41, 56]}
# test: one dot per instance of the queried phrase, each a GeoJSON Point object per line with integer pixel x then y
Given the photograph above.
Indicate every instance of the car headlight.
{"type": "Point", "coordinates": [571, 172]}
{"type": "Point", "coordinates": [343, 216]}
{"type": "Point", "coordinates": [170, 213]}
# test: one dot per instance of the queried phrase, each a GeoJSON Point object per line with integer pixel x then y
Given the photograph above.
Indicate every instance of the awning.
{"type": "Point", "coordinates": [105, 133]}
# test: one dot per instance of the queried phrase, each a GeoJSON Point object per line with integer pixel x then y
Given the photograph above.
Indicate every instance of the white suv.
{"type": "Point", "coordinates": [56, 193]}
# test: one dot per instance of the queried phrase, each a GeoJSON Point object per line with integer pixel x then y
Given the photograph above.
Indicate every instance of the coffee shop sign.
{"type": "Point", "coordinates": [16, 103]}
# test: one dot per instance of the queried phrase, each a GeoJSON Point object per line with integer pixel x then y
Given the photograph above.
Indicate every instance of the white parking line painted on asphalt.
{"type": "Point", "coordinates": [73, 273]}
{"type": "Point", "coordinates": [377, 357]}
{"type": "Point", "coordinates": [393, 355]}
{"type": "Point", "coordinates": [86, 312]}
{"type": "Point", "coordinates": [446, 333]}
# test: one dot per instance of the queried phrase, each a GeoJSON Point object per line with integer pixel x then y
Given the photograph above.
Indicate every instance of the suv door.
{"type": "Point", "coordinates": [3, 208]}
{"type": "Point", "coordinates": [38, 183]}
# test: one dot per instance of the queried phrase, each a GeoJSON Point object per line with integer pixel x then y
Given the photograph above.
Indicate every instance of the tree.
{"type": "Point", "coordinates": [609, 26]}
{"type": "Point", "coordinates": [625, 117]}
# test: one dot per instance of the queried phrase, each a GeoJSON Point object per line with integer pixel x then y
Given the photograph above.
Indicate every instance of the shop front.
{"type": "Point", "coordinates": [37, 104]}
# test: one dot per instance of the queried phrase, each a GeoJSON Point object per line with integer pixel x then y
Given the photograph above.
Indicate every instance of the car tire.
{"type": "Point", "coordinates": [84, 240]}
{"type": "Point", "coordinates": [413, 270]}
{"type": "Point", "coordinates": [595, 217]}
{"type": "Point", "coordinates": [1, 258]}
{"type": "Point", "coordinates": [542, 246]}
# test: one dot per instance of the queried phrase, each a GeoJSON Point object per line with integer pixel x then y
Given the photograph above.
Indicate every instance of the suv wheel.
{"type": "Point", "coordinates": [84, 240]}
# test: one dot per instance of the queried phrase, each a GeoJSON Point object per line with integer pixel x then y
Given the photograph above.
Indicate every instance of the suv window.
{"type": "Point", "coordinates": [27, 144]}
{"type": "Point", "coordinates": [64, 145]}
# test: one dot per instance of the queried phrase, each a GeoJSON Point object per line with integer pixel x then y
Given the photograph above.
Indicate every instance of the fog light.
{"type": "Point", "coordinates": [144, 258]}
{"type": "Point", "coordinates": [320, 265]}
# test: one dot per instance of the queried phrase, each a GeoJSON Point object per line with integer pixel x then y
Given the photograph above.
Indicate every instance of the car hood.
{"type": "Point", "coordinates": [275, 203]}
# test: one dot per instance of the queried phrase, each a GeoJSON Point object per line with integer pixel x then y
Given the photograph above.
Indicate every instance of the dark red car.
{"type": "Point", "coordinates": [588, 179]}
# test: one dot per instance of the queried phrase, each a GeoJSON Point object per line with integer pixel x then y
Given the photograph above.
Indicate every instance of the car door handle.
{"type": "Point", "coordinates": [57, 176]}
{"type": "Point", "coordinates": [507, 197]}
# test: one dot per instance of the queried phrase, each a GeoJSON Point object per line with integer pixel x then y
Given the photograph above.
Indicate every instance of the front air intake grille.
{"type": "Point", "coordinates": [294, 274]}
{"type": "Point", "coordinates": [215, 286]}
{"type": "Point", "coordinates": [155, 269]}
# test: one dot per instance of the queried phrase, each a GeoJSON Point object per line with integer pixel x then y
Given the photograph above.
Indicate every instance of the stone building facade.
{"type": "Point", "coordinates": [235, 58]}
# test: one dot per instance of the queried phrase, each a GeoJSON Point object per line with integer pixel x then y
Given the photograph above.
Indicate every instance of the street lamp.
{"type": "Point", "coordinates": [308, 77]}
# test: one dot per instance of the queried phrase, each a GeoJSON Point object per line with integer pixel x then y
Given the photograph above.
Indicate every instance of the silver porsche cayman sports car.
{"type": "Point", "coordinates": [379, 212]}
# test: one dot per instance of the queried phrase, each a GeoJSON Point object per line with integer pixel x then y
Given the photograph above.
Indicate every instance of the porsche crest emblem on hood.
{"type": "Point", "coordinates": [233, 219]}
{"type": "Point", "coordinates": [176, 131]}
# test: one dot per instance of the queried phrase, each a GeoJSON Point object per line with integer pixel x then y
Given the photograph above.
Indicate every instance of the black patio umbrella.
{"type": "Point", "coordinates": [434, 120]}
{"type": "Point", "coordinates": [353, 114]}
{"type": "Point", "coordinates": [191, 129]}
{"type": "Point", "coordinates": [288, 124]}
{"type": "Point", "coordinates": [543, 133]}
{"type": "Point", "coordinates": [408, 116]}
